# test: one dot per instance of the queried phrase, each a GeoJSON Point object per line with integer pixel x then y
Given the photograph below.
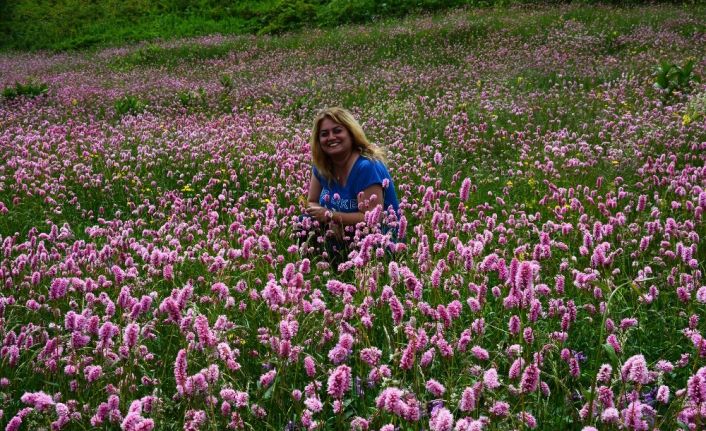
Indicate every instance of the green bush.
{"type": "Point", "coordinates": [129, 104]}
{"type": "Point", "coordinates": [289, 15]}
{"type": "Point", "coordinates": [29, 89]}
{"type": "Point", "coordinates": [670, 78]}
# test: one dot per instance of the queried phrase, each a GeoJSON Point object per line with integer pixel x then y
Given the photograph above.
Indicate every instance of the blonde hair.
{"type": "Point", "coordinates": [343, 117]}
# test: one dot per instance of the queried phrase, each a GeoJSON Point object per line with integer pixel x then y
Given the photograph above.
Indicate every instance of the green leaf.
{"type": "Point", "coordinates": [611, 352]}
{"type": "Point", "coordinates": [268, 393]}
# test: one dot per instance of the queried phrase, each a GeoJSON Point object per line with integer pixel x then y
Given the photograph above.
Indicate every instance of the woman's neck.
{"type": "Point", "coordinates": [340, 164]}
{"type": "Point", "coordinates": [343, 165]}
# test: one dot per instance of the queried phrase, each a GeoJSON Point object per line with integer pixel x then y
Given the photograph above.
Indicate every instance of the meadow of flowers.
{"type": "Point", "coordinates": [552, 201]}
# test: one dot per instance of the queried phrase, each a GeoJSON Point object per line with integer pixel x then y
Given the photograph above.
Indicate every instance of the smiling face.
{"type": "Point", "coordinates": [334, 138]}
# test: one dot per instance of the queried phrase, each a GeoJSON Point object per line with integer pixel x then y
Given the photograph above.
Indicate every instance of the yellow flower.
{"type": "Point", "coordinates": [74, 102]}
{"type": "Point", "coordinates": [615, 162]}
{"type": "Point", "coordinates": [265, 201]}
{"type": "Point", "coordinates": [187, 188]}
{"type": "Point", "coordinates": [686, 119]}
{"type": "Point", "coordinates": [509, 183]}
{"type": "Point", "coordinates": [531, 182]}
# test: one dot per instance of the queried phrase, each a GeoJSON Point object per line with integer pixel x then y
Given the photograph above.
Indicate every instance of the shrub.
{"type": "Point", "coordinates": [129, 105]}
{"type": "Point", "coordinates": [670, 78]}
{"type": "Point", "coordinates": [30, 89]}
{"type": "Point", "coordinates": [288, 15]}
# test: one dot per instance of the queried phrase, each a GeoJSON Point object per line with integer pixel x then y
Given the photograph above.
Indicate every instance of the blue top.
{"type": "Point", "coordinates": [364, 173]}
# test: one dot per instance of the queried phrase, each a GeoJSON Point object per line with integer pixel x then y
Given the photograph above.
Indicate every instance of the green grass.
{"type": "Point", "coordinates": [73, 24]}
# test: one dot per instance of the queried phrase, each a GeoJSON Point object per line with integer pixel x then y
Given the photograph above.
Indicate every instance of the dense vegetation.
{"type": "Point", "coordinates": [551, 169]}
{"type": "Point", "coordinates": [71, 24]}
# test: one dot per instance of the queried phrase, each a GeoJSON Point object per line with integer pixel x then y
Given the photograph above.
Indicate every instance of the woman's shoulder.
{"type": "Point", "coordinates": [364, 162]}
{"type": "Point", "coordinates": [370, 171]}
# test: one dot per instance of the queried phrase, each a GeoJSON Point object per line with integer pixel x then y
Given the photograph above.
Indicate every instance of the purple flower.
{"type": "Point", "coordinates": [530, 378]}
{"type": "Point", "coordinates": [465, 189]}
{"type": "Point", "coordinates": [339, 382]}
{"type": "Point", "coordinates": [635, 370]}
{"type": "Point", "coordinates": [528, 419]}
{"type": "Point", "coordinates": [490, 379]}
{"type": "Point", "coordinates": [132, 331]}
{"type": "Point", "coordinates": [435, 388]}
{"type": "Point", "coordinates": [441, 420]}
{"type": "Point", "coordinates": [480, 353]}
{"type": "Point", "coordinates": [371, 356]}
{"type": "Point", "coordinates": [58, 288]}
{"type": "Point", "coordinates": [309, 366]}
{"type": "Point", "coordinates": [500, 409]}
{"type": "Point", "coordinates": [267, 378]}
{"type": "Point", "coordinates": [468, 400]}
{"type": "Point", "coordinates": [635, 416]}
{"type": "Point", "coordinates": [38, 400]}
{"type": "Point", "coordinates": [180, 367]}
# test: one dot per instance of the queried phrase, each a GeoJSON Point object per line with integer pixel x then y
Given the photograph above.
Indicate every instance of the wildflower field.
{"type": "Point", "coordinates": [550, 164]}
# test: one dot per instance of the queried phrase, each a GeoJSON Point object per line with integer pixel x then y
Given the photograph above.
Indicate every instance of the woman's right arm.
{"type": "Point", "coordinates": [314, 189]}
{"type": "Point", "coordinates": [313, 208]}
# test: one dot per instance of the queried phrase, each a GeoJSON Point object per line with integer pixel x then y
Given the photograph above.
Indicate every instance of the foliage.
{"type": "Point", "coordinates": [129, 105]}
{"type": "Point", "coordinates": [30, 88]}
{"type": "Point", "coordinates": [74, 24]}
{"type": "Point", "coordinates": [670, 77]}
{"type": "Point", "coordinates": [695, 108]}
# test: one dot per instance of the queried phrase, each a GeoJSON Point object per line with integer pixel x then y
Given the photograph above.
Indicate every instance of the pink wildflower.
{"type": "Point", "coordinates": [309, 366]}
{"type": "Point", "coordinates": [663, 394]}
{"type": "Point", "coordinates": [468, 400]}
{"type": "Point", "coordinates": [490, 379]}
{"type": "Point", "coordinates": [635, 370]}
{"type": "Point", "coordinates": [38, 400]}
{"type": "Point", "coordinates": [480, 353]}
{"type": "Point", "coordinates": [441, 420]}
{"type": "Point", "coordinates": [180, 368]}
{"type": "Point", "coordinates": [267, 378]}
{"type": "Point", "coordinates": [371, 355]}
{"type": "Point", "coordinates": [500, 409]}
{"type": "Point", "coordinates": [465, 189]}
{"type": "Point", "coordinates": [132, 331]}
{"type": "Point", "coordinates": [613, 341]}
{"type": "Point", "coordinates": [339, 381]}
{"type": "Point", "coordinates": [530, 378]}
{"type": "Point", "coordinates": [528, 419]}
{"type": "Point", "coordinates": [435, 388]}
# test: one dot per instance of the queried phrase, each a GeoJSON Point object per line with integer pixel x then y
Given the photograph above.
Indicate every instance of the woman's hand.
{"type": "Point", "coordinates": [323, 215]}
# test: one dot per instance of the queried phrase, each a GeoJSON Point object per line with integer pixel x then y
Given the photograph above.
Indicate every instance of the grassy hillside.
{"type": "Point", "coordinates": [70, 24]}
{"type": "Point", "coordinates": [76, 24]}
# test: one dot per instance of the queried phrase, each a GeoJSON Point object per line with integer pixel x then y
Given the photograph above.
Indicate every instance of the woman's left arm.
{"type": "Point", "coordinates": [368, 199]}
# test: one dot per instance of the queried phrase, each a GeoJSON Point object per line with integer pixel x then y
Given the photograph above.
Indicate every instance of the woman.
{"type": "Point", "coordinates": [349, 177]}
